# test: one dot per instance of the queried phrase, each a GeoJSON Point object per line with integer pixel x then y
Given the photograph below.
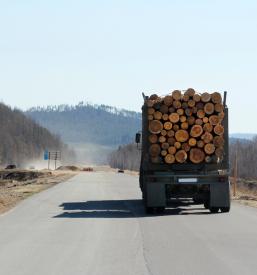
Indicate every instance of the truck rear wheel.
{"type": "Point", "coordinates": [214, 210]}
{"type": "Point", "coordinates": [225, 209]}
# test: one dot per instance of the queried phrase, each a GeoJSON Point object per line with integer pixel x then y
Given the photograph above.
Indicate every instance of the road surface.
{"type": "Point", "coordinates": [94, 224]}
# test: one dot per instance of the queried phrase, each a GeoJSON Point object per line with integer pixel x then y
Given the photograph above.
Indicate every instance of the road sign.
{"type": "Point", "coordinates": [52, 155]}
{"type": "Point", "coordinates": [46, 155]}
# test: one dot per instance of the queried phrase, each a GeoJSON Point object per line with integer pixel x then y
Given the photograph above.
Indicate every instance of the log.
{"type": "Point", "coordinates": [165, 117]}
{"type": "Point", "coordinates": [209, 108]}
{"type": "Point", "coordinates": [176, 127]}
{"type": "Point", "coordinates": [157, 105]}
{"type": "Point", "coordinates": [219, 152]}
{"type": "Point", "coordinates": [214, 120]}
{"type": "Point", "coordinates": [176, 95]}
{"type": "Point", "coordinates": [177, 145]}
{"type": "Point", "coordinates": [200, 114]}
{"type": "Point", "coordinates": [150, 117]}
{"type": "Point", "coordinates": [205, 97]}
{"type": "Point", "coordinates": [194, 110]}
{"type": "Point", "coordinates": [219, 107]}
{"type": "Point", "coordinates": [151, 111]}
{"type": "Point", "coordinates": [221, 116]}
{"type": "Point", "coordinates": [197, 98]}
{"type": "Point", "coordinates": [184, 105]}
{"type": "Point", "coordinates": [171, 141]}
{"type": "Point", "coordinates": [177, 104]}
{"type": "Point", "coordinates": [190, 92]}
{"type": "Point", "coordinates": [168, 125]}
{"type": "Point", "coordinates": [192, 142]}
{"type": "Point", "coordinates": [207, 127]}
{"type": "Point", "coordinates": [196, 131]}
{"type": "Point", "coordinates": [181, 156]}
{"type": "Point", "coordinates": [157, 115]}
{"type": "Point", "coordinates": [209, 148]}
{"type": "Point", "coordinates": [191, 103]}
{"type": "Point", "coordinates": [165, 146]}
{"type": "Point", "coordinates": [184, 125]}
{"type": "Point", "coordinates": [199, 105]}
{"type": "Point", "coordinates": [154, 97]}
{"type": "Point", "coordinates": [150, 103]}
{"type": "Point", "coordinates": [199, 121]}
{"type": "Point", "coordinates": [185, 97]}
{"type": "Point", "coordinates": [169, 159]}
{"type": "Point", "coordinates": [196, 155]}
{"type": "Point", "coordinates": [205, 120]}
{"type": "Point", "coordinates": [155, 150]}
{"type": "Point", "coordinates": [164, 133]}
{"type": "Point", "coordinates": [188, 112]}
{"type": "Point", "coordinates": [191, 120]}
{"type": "Point", "coordinates": [172, 150]}
{"type": "Point", "coordinates": [153, 138]}
{"type": "Point", "coordinates": [216, 98]}
{"type": "Point", "coordinates": [219, 130]}
{"type": "Point", "coordinates": [182, 135]}
{"type": "Point", "coordinates": [180, 111]}
{"type": "Point", "coordinates": [185, 146]}
{"type": "Point", "coordinates": [207, 137]}
{"type": "Point", "coordinates": [200, 143]}
{"type": "Point", "coordinates": [183, 119]}
{"type": "Point", "coordinates": [172, 110]}
{"type": "Point", "coordinates": [168, 100]}
{"type": "Point", "coordinates": [155, 127]}
{"type": "Point", "coordinates": [164, 109]}
{"type": "Point", "coordinates": [170, 133]}
{"type": "Point", "coordinates": [174, 117]}
{"type": "Point", "coordinates": [218, 141]}
{"type": "Point", "coordinates": [164, 153]}
{"type": "Point", "coordinates": [162, 139]}
{"type": "Point", "coordinates": [208, 159]}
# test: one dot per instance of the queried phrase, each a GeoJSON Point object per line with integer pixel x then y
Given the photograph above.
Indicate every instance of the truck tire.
{"type": "Point", "coordinates": [149, 210]}
{"type": "Point", "coordinates": [225, 209]}
{"type": "Point", "coordinates": [214, 210]}
{"type": "Point", "coordinates": [206, 205]}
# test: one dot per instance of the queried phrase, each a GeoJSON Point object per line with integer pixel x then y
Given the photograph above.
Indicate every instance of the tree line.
{"type": "Point", "coordinates": [22, 139]}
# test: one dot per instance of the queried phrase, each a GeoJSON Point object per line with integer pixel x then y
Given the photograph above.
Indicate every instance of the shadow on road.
{"type": "Point", "coordinates": [123, 209]}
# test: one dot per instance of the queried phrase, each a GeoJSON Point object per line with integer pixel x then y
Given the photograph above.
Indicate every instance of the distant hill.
{"type": "Point", "coordinates": [86, 123]}
{"type": "Point", "coordinates": [22, 139]}
{"type": "Point", "coordinates": [243, 136]}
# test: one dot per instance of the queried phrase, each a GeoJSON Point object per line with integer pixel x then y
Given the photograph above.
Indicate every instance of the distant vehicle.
{"type": "Point", "coordinates": [163, 179]}
{"type": "Point", "coordinates": [32, 168]}
{"type": "Point", "coordinates": [121, 171]}
{"type": "Point", "coordinates": [11, 167]}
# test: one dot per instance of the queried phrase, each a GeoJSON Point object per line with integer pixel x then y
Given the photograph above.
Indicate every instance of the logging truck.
{"type": "Point", "coordinates": [184, 150]}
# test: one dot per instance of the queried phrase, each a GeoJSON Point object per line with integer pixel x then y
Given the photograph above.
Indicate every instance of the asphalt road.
{"type": "Point", "coordinates": [94, 224]}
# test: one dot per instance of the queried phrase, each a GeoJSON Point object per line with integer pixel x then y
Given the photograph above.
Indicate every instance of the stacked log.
{"type": "Point", "coordinates": [186, 127]}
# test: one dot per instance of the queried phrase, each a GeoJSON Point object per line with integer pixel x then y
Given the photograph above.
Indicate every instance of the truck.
{"type": "Point", "coordinates": [201, 183]}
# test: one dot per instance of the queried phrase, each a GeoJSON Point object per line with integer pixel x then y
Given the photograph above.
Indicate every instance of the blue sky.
{"type": "Point", "coordinates": [54, 52]}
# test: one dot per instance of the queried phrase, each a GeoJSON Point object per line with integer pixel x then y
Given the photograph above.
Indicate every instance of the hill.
{"type": "Point", "coordinates": [22, 139]}
{"type": "Point", "coordinates": [91, 124]}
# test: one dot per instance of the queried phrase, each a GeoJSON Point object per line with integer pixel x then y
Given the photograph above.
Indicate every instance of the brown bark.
{"type": "Point", "coordinates": [151, 111]}
{"type": "Point", "coordinates": [214, 120]}
{"type": "Point", "coordinates": [196, 131]}
{"type": "Point", "coordinates": [164, 133]}
{"type": "Point", "coordinates": [167, 125]}
{"type": "Point", "coordinates": [181, 156]}
{"type": "Point", "coordinates": [154, 97]}
{"type": "Point", "coordinates": [168, 100]}
{"type": "Point", "coordinates": [219, 130]}
{"type": "Point", "coordinates": [191, 103]}
{"type": "Point", "coordinates": [171, 141]}
{"type": "Point", "coordinates": [153, 138]}
{"type": "Point", "coordinates": [162, 139]}
{"type": "Point", "coordinates": [172, 150]}
{"type": "Point", "coordinates": [209, 108]}
{"type": "Point", "coordinates": [190, 92]}
{"type": "Point", "coordinates": [207, 127]}
{"type": "Point", "coordinates": [197, 98]}
{"type": "Point", "coordinates": [184, 105]}
{"type": "Point", "coordinates": [192, 142]}
{"type": "Point", "coordinates": [200, 144]}
{"type": "Point", "coordinates": [184, 125]}
{"type": "Point", "coordinates": [218, 141]}
{"type": "Point", "coordinates": [177, 145]}
{"type": "Point", "coordinates": [157, 115]}
{"type": "Point", "coordinates": [177, 104]}
{"type": "Point", "coordinates": [180, 111]}
{"type": "Point", "coordinates": [164, 153]}
{"type": "Point", "coordinates": [199, 105]}
{"type": "Point", "coordinates": [197, 155]}
{"type": "Point", "coordinates": [199, 121]}
{"type": "Point", "coordinates": [155, 150]}
{"type": "Point", "coordinates": [150, 117]}
{"type": "Point", "coordinates": [185, 146]}
{"type": "Point", "coordinates": [150, 103]}
{"type": "Point", "coordinates": [182, 135]}
{"type": "Point", "coordinates": [205, 97]}
{"type": "Point", "coordinates": [208, 159]}
{"type": "Point", "coordinates": [155, 126]}
{"type": "Point", "coordinates": [165, 146]}
{"type": "Point", "coordinates": [174, 117]}
{"type": "Point", "coordinates": [172, 110]}
{"type": "Point", "coordinates": [216, 98]}
{"type": "Point", "coordinates": [169, 159]}
{"type": "Point", "coordinates": [165, 117]}
{"type": "Point", "coordinates": [185, 97]}
{"type": "Point", "coordinates": [200, 114]}
{"type": "Point", "coordinates": [209, 148]}
{"type": "Point", "coordinates": [188, 112]}
{"type": "Point", "coordinates": [175, 127]}
{"type": "Point", "coordinates": [176, 95]}
{"type": "Point", "coordinates": [170, 133]}
{"type": "Point", "coordinates": [164, 109]}
{"type": "Point", "coordinates": [219, 107]}
{"type": "Point", "coordinates": [219, 152]}
{"type": "Point", "coordinates": [207, 137]}
{"type": "Point", "coordinates": [191, 120]}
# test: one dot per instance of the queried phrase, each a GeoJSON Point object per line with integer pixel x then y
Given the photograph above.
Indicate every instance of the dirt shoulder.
{"type": "Point", "coordinates": [17, 185]}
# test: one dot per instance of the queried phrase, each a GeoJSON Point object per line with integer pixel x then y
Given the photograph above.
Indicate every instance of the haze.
{"type": "Point", "coordinates": [109, 52]}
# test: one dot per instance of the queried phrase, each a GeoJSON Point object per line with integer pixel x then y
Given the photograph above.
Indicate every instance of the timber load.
{"type": "Point", "coordinates": [186, 127]}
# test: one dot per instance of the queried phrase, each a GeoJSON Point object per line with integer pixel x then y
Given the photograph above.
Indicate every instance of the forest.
{"type": "Point", "coordinates": [22, 139]}
{"type": "Point", "coordinates": [87, 123]}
